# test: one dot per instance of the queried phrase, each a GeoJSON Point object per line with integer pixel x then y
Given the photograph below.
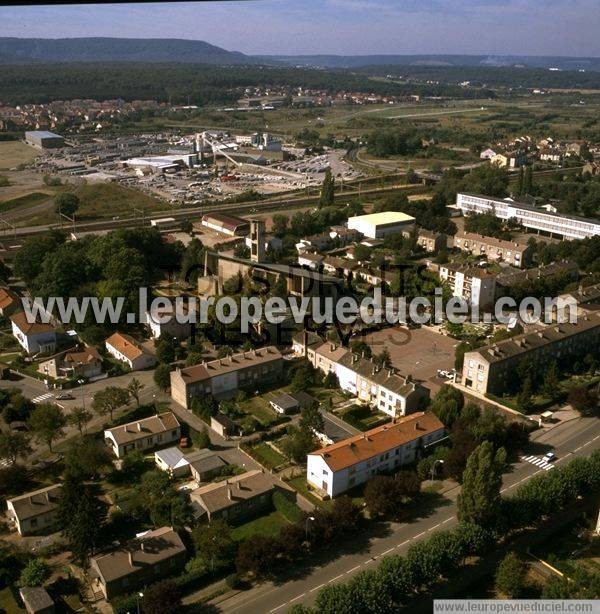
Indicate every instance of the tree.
{"type": "Point", "coordinates": [520, 183]}
{"type": "Point", "coordinates": [79, 417]}
{"type": "Point", "coordinates": [298, 444]}
{"type": "Point", "coordinates": [162, 376]}
{"type": "Point", "coordinates": [551, 384]}
{"type": "Point", "coordinates": [447, 405]}
{"type": "Point", "coordinates": [327, 190]}
{"type": "Point", "coordinates": [134, 388]}
{"type": "Point", "coordinates": [528, 181]}
{"type": "Point", "coordinates": [47, 422]}
{"type": "Point", "coordinates": [510, 576]}
{"type": "Point", "coordinates": [479, 498]}
{"type": "Point", "coordinates": [66, 203]}
{"type": "Point", "coordinates": [36, 572]}
{"type": "Point", "coordinates": [165, 351]}
{"type": "Point", "coordinates": [311, 419]}
{"type": "Point", "coordinates": [386, 496]}
{"type": "Point", "coordinates": [257, 555]}
{"type": "Point", "coordinates": [81, 516]}
{"type": "Point", "coordinates": [524, 399]}
{"type": "Point", "coordinates": [14, 445]}
{"type": "Point", "coordinates": [583, 400]}
{"type": "Point", "coordinates": [214, 543]}
{"type": "Point", "coordinates": [109, 399]}
{"type": "Point", "coordinates": [85, 458]}
{"type": "Point", "coordinates": [163, 596]}
{"type": "Point", "coordinates": [202, 439]}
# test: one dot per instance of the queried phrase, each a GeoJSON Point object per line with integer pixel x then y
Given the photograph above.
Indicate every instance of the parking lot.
{"type": "Point", "coordinates": [419, 352]}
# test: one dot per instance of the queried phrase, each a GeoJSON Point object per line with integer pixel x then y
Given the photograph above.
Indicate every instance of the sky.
{"type": "Point", "coordinates": [347, 27]}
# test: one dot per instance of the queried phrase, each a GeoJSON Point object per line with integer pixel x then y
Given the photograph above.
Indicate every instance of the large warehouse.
{"type": "Point", "coordinates": [226, 224]}
{"type": "Point", "coordinates": [377, 225]}
{"type": "Point", "coordinates": [42, 139]}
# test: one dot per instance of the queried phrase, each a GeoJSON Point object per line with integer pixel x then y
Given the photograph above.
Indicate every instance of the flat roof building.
{"type": "Point", "coordinates": [226, 224]}
{"type": "Point", "coordinates": [42, 139]}
{"type": "Point", "coordinates": [377, 225]}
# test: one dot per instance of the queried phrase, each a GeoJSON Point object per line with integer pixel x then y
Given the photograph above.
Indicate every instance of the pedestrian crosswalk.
{"type": "Point", "coordinates": [42, 398]}
{"type": "Point", "coordinates": [542, 463]}
{"type": "Point", "coordinates": [5, 462]}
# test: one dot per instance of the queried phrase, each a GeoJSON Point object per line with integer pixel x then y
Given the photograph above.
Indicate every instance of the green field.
{"type": "Point", "coordinates": [101, 200]}
{"type": "Point", "coordinates": [265, 525]}
{"type": "Point", "coordinates": [13, 153]}
{"type": "Point", "coordinates": [23, 202]}
{"type": "Point", "coordinates": [267, 456]}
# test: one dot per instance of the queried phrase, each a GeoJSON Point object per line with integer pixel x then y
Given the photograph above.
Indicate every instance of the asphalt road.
{"type": "Point", "coordinates": [578, 437]}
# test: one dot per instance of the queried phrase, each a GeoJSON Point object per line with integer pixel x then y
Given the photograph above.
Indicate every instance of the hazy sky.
{"type": "Point", "coordinates": [532, 27]}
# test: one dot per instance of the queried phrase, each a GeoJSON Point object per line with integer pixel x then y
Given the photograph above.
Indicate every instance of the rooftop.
{"type": "Point", "coordinates": [148, 550]}
{"type": "Point", "coordinates": [138, 429]}
{"type": "Point", "coordinates": [229, 364]}
{"type": "Point", "coordinates": [382, 218]}
{"type": "Point", "coordinates": [361, 447]}
{"type": "Point", "coordinates": [37, 502]}
{"type": "Point", "coordinates": [30, 328]}
{"type": "Point", "coordinates": [126, 345]}
{"type": "Point", "coordinates": [221, 495]}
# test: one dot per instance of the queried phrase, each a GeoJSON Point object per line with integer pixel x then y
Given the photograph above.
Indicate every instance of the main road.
{"type": "Point", "coordinates": [578, 437]}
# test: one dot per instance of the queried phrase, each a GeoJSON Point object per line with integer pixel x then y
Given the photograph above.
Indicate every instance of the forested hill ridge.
{"type": "Point", "coordinates": [34, 50]}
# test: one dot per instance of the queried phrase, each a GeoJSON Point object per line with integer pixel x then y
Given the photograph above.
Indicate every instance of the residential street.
{"type": "Point", "coordinates": [578, 437]}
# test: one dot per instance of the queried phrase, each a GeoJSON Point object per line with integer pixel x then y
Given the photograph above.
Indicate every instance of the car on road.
{"type": "Point", "coordinates": [64, 396]}
{"type": "Point", "coordinates": [550, 456]}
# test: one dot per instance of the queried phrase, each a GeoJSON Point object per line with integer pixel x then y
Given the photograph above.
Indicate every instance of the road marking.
{"type": "Point", "coordinates": [337, 578]}
{"type": "Point", "coordinates": [369, 561]}
{"type": "Point", "coordinates": [312, 590]}
{"type": "Point", "coordinates": [279, 607]}
{"type": "Point", "coordinates": [403, 543]}
{"type": "Point", "coordinates": [296, 598]}
{"type": "Point", "coordinates": [419, 535]}
{"type": "Point", "coordinates": [42, 397]}
{"type": "Point", "coordinates": [435, 526]}
{"type": "Point", "coordinates": [542, 463]}
{"type": "Point", "coordinates": [447, 520]}
{"type": "Point", "coordinates": [388, 550]}
{"type": "Point", "coordinates": [353, 569]}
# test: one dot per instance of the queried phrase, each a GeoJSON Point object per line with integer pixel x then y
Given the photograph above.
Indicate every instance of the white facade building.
{"type": "Point", "coordinates": [343, 465]}
{"type": "Point", "coordinates": [377, 225]}
{"type": "Point", "coordinates": [533, 218]}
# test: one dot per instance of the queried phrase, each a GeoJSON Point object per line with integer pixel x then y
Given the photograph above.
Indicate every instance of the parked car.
{"type": "Point", "coordinates": [550, 456]}
{"type": "Point", "coordinates": [64, 396]}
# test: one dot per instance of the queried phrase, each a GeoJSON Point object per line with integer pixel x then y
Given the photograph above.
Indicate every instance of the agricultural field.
{"type": "Point", "coordinates": [13, 153]}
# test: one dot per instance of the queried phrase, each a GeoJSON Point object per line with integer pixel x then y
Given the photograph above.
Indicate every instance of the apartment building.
{"type": "Point", "coordinates": [152, 432]}
{"type": "Point", "coordinates": [509, 278]}
{"type": "Point", "coordinates": [336, 468]}
{"type": "Point", "coordinates": [515, 253]}
{"type": "Point", "coordinates": [492, 369]}
{"type": "Point", "coordinates": [432, 242]}
{"type": "Point", "coordinates": [476, 285]}
{"type": "Point", "coordinates": [532, 218]}
{"type": "Point", "coordinates": [382, 387]}
{"type": "Point", "coordinates": [225, 376]}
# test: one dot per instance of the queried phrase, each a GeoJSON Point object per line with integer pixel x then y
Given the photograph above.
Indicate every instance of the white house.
{"type": "Point", "coordinates": [33, 337]}
{"type": "Point", "coordinates": [144, 434]}
{"type": "Point", "coordinates": [35, 512]}
{"type": "Point", "coordinates": [336, 468]}
{"type": "Point", "coordinates": [169, 322]}
{"type": "Point", "coordinates": [126, 349]}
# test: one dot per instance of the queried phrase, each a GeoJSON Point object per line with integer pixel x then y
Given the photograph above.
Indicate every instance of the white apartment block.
{"type": "Point", "coordinates": [532, 218]}
{"type": "Point", "coordinates": [339, 467]}
{"type": "Point", "coordinates": [474, 284]}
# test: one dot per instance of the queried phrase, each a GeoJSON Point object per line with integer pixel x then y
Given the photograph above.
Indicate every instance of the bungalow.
{"type": "Point", "coordinates": [34, 337]}
{"type": "Point", "coordinates": [86, 363]}
{"type": "Point", "coordinates": [35, 512]}
{"type": "Point", "coordinates": [202, 464]}
{"type": "Point", "coordinates": [126, 349]}
{"type": "Point", "coordinates": [143, 434]}
{"type": "Point", "coordinates": [223, 425]}
{"type": "Point", "coordinates": [144, 560]}
{"type": "Point", "coordinates": [238, 497]}
{"type": "Point", "coordinates": [287, 403]}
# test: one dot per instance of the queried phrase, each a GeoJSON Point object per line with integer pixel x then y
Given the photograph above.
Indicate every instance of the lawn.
{"type": "Point", "coordinates": [13, 153]}
{"type": "Point", "coordinates": [8, 602]}
{"type": "Point", "coordinates": [299, 483]}
{"type": "Point", "coordinates": [267, 456]}
{"type": "Point", "coordinates": [265, 525]}
{"type": "Point", "coordinates": [98, 200]}
{"type": "Point", "coordinates": [260, 409]}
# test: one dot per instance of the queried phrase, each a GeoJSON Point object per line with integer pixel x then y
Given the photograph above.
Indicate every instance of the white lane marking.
{"type": "Point", "coordinates": [296, 598]}
{"type": "Point", "coordinates": [353, 569]}
{"type": "Point", "coordinates": [312, 590]}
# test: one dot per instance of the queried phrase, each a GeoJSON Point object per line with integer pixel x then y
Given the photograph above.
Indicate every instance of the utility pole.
{"type": "Point", "coordinates": [70, 219]}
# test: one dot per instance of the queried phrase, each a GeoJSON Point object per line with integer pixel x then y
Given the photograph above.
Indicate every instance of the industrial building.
{"type": "Point", "coordinates": [226, 224]}
{"type": "Point", "coordinates": [42, 139]}
{"type": "Point", "coordinates": [377, 225]}
{"type": "Point", "coordinates": [532, 218]}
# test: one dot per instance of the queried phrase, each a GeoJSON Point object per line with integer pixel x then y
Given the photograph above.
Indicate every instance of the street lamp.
{"type": "Point", "coordinates": [435, 462]}
{"type": "Point", "coordinates": [81, 382]}
{"type": "Point", "coordinates": [137, 599]}
{"type": "Point", "coordinates": [311, 518]}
